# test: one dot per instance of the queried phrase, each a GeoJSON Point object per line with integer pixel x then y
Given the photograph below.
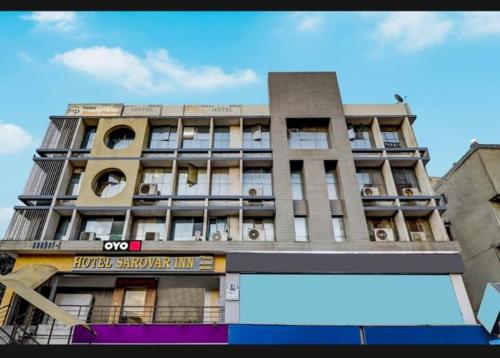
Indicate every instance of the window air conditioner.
{"type": "Point", "coordinates": [152, 236]}
{"type": "Point", "coordinates": [370, 191]}
{"type": "Point", "coordinates": [256, 235]}
{"type": "Point", "coordinates": [220, 236]}
{"type": "Point", "coordinates": [418, 236]}
{"type": "Point", "coordinates": [148, 189]}
{"type": "Point", "coordinates": [383, 234]}
{"type": "Point", "coordinates": [410, 191]}
{"type": "Point", "coordinates": [86, 235]}
{"type": "Point", "coordinates": [188, 133]}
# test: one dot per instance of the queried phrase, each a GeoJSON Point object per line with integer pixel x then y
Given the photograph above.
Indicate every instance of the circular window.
{"type": "Point", "coordinates": [109, 183]}
{"type": "Point", "coordinates": [120, 138]}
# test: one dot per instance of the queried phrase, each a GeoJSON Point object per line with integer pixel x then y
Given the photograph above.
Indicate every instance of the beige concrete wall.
{"type": "Point", "coordinates": [138, 125]}
{"type": "Point", "coordinates": [371, 110]}
{"type": "Point", "coordinates": [87, 196]}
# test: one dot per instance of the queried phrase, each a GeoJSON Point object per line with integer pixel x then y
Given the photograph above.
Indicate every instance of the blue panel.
{"type": "Point", "coordinates": [377, 300]}
{"type": "Point", "coordinates": [267, 334]}
{"type": "Point", "coordinates": [427, 335]}
{"type": "Point", "coordinates": [489, 308]}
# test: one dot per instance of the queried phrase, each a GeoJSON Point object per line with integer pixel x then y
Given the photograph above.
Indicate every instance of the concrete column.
{"type": "Point", "coordinates": [232, 307]}
{"type": "Point", "coordinates": [389, 179]}
{"type": "Point", "coordinates": [407, 131]}
{"type": "Point", "coordinates": [401, 226]}
{"type": "Point", "coordinates": [74, 226]}
{"type": "Point", "coordinates": [423, 178]}
{"type": "Point", "coordinates": [377, 134]}
{"type": "Point", "coordinates": [127, 226]}
{"type": "Point", "coordinates": [463, 299]}
{"type": "Point", "coordinates": [437, 226]}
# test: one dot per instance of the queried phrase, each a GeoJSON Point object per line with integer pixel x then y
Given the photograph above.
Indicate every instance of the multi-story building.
{"type": "Point", "coordinates": [472, 190]}
{"type": "Point", "coordinates": [272, 221]}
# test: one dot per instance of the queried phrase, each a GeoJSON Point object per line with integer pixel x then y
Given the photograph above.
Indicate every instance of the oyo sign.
{"type": "Point", "coordinates": [122, 246]}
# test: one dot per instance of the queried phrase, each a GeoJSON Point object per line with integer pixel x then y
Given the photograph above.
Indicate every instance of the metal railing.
{"type": "Point", "coordinates": [33, 326]}
{"type": "Point", "coordinates": [146, 314]}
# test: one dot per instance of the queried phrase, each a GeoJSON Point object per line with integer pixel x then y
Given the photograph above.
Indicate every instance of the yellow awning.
{"type": "Point", "coordinates": [23, 282]}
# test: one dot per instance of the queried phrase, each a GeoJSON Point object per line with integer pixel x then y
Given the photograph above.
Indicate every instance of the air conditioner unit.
{"type": "Point", "coordinates": [86, 235]}
{"type": "Point", "coordinates": [256, 235]}
{"type": "Point", "coordinates": [410, 191]}
{"type": "Point", "coordinates": [152, 236]}
{"type": "Point", "coordinates": [148, 189]}
{"type": "Point", "coordinates": [418, 236]}
{"type": "Point", "coordinates": [188, 133]}
{"type": "Point", "coordinates": [197, 236]}
{"type": "Point", "coordinates": [383, 234]}
{"type": "Point", "coordinates": [254, 192]}
{"type": "Point", "coordinates": [220, 236]}
{"type": "Point", "coordinates": [370, 191]}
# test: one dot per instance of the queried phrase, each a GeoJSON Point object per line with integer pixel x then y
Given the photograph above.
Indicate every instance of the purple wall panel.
{"type": "Point", "coordinates": [152, 334]}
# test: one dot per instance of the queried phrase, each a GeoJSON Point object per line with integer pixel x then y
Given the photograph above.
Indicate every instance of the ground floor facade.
{"type": "Point", "coordinates": [242, 298]}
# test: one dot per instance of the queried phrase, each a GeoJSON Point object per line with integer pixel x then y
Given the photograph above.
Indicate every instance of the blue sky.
{"type": "Point", "coordinates": [447, 64]}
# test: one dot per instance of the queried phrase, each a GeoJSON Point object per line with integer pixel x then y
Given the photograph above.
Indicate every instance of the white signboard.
{"type": "Point", "coordinates": [101, 110]}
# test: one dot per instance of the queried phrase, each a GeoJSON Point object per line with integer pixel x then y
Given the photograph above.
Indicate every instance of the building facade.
{"type": "Point", "coordinates": [273, 220]}
{"type": "Point", "coordinates": [472, 189]}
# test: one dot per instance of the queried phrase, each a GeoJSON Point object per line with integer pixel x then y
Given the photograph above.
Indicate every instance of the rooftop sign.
{"type": "Point", "coordinates": [97, 110]}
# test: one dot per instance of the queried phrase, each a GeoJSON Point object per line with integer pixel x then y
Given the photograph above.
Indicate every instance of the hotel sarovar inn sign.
{"type": "Point", "coordinates": [144, 263]}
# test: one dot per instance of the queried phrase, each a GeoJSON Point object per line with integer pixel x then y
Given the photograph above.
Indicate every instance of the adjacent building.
{"type": "Point", "coordinates": [303, 220]}
{"type": "Point", "coordinates": [472, 190]}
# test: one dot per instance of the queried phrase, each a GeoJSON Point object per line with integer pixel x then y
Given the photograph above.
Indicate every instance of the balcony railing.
{"type": "Point", "coordinates": [146, 314]}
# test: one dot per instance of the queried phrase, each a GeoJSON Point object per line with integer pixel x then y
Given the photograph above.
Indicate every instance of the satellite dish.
{"type": "Point", "coordinates": [399, 98]}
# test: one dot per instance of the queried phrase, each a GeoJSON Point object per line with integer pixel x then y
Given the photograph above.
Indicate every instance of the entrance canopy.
{"type": "Point", "coordinates": [23, 282]}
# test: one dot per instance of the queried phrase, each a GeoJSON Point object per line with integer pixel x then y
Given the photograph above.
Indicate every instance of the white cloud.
{"type": "Point", "coordinates": [5, 216]}
{"type": "Point", "coordinates": [157, 72]}
{"type": "Point", "coordinates": [480, 24]}
{"type": "Point", "coordinates": [413, 31]}
{"type": "Point", "coordinates": [60, 21]}
{"type": "Point", "coordinates": [308, 21]}
{"type": "Point", "coordinates": [13, 138]}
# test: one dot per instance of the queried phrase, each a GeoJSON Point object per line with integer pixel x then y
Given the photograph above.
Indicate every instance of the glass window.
{"type": "Point", "coordinates": [221, 137]}
{"type": "Point", "coordinates": [393, 136]}
{"type": "Point", "coordinates": [196, 137]}
{"type": "Point", "coordinates": [267, 225]}
{"type": "Point", "coordinates": [419, 229]}
{"type": "Point", "coordinates": [300, 229]}
{"type": "Point", "coordinates": [217, 225]}
{"type": "Point", "coordinates": [185, 188]}
{"type": "Point", "coordinates": [338, 229]}
{"type": "Point", "coordinates": [371, 178]}
{"type": "Point", "coordinates": [260, 180]}
{"type": "Point", "coordinates": [106, 228]}
{"type": "Point", "coordinates": [62, 228]}
{"type": "Point", "coordinates": [220, 181]}
{"type": "Point", "coordinates": [404, 178]}
{"type": "Point", "coordinates": [296, 178]}
{"type": "Point", "coordinates": [88, 138]}
{"type": "Point", "coordinates": [134, 302]}
{"type": "Point", "coordinates": [74, 183]}
{"type": "Point", "coordinates": [120, 138]}
{"type": "Point", "coordinates": [162, 177]}
{"type": "Point", "coordinates": [307, 136]}
{"type": "Point", "coordinates": [186, 229]}
{"type": "Point", "coordinates": [143, 225]}
{"type": "Point", "coordinates": [256, 137]}
{"type": "Point", "coordinates": [360, 137]}
{"type": "Point", "coordinates": [163, 137]}
{"type": "Point", "coordinates": [331, 184]}
{"type": "Point", "coordinates": [109, 184]}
